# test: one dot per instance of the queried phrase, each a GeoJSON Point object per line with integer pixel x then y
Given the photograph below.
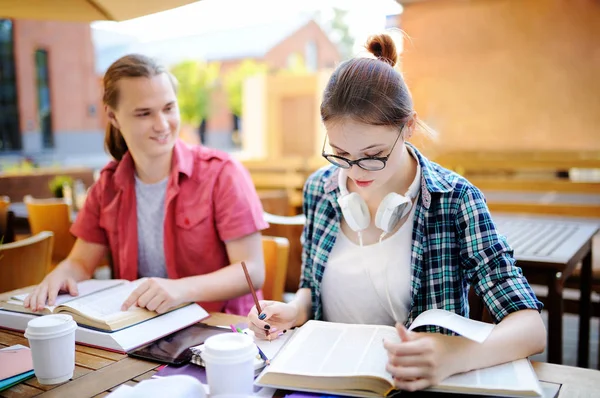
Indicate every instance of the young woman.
{"type": "Point", "coordinates": [390, 234]}
{"type": "Point", "coordinates": [183, 216]}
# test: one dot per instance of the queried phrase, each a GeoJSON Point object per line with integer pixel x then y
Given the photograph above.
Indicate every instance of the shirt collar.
{"type": "Point", "coordinates": [182, 162]}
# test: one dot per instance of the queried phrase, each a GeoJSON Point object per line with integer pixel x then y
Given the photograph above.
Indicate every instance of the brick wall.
{"type": "Point", "coordinates": [73, 84]}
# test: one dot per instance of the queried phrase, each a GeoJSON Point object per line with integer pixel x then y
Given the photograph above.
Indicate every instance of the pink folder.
{"type": "Point", "coordinates": [14, 361]}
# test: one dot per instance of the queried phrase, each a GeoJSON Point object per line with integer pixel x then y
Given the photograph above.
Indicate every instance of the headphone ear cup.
{"type": "Point", "coordinates": [355, 211]}
{"type": "Point", "coordinates": [391, 210]}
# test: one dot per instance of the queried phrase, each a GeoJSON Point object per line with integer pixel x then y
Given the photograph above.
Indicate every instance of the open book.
{"type": "Point", "coordinates": [123, 340]}
{"type": "Point", "coordinates": [347, 359]}
{"type": "Point", "coordinates": [97, 306]}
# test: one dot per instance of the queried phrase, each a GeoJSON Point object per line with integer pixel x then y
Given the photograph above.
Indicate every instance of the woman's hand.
{"type": "Point", "coordinates": [275, 316]}
{"type": "Point", "coordinates": [421, 360]}
{"type": "Point", "coordinates": [55, 282]}
{"type": "Point", "coordinates": [157, 294]}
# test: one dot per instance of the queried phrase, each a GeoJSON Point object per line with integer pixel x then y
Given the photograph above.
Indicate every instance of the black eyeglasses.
{"type": "Point", "coordinates": [371, 163]}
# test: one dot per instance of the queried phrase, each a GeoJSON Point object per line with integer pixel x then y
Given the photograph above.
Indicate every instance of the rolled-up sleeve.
{"type": "Point", "coordinates": [238, 210]}
{"type": "Point", "coordinates": [488, 262]}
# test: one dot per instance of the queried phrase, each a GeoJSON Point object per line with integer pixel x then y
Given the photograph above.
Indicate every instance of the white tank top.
{"type": "Point", "coordinates": [354, 282]}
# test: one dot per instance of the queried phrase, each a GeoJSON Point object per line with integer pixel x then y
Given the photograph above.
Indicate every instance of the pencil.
{"type": "Point", "coordinates": [256, 303]}
{"type": "Point", "coordinates": [263, 356]}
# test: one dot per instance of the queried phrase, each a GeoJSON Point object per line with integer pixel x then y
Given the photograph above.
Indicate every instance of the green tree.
{"type": "Point", "coordinates": [197, 82]}
{"type": "Point", "coordinates": [345, 41]}
{"type": "Point", "coordinates": [338, 31]}
{"type": "Point", "coordinates": [234, 83]}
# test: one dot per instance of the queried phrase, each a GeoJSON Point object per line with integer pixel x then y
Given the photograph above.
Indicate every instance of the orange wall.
{"type": "Point", "coordinates": [506, 74]}
{"type": "Point", "coordinates": [73, 83]}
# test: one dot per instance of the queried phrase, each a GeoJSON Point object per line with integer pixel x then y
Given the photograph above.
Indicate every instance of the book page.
{"type": "Point", "coordinates": [336, 350]}
{"type": "Point", "coordinates": [105, 305]}
{"type": "Point", "coordinates": [469, 328]}
{"type": "Point", "coordinates": [84, 288]}
{"type": "Point", "coordinates": [512, 376]}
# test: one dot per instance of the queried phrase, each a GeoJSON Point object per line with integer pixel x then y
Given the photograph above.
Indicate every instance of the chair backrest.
{"type": "Point", "coordinates": [289, 227]}
{"type": "Point", "coordinates": [7, 232]}
{"type": "Point", "coordinates": [52, 215]}
{"type": "Point", "coordinates": [477, 309]}
{"type": "Point", "coordinates": [275, 251]}
{"type": "Point", "coordinates": [25, 262]}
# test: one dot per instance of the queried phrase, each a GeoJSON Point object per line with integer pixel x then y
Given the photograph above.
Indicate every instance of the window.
{"type": "Point", "coordinates": [312, 55]}
{"type": "Point", "coordinates": [43, 95]}
{"type": "Point", "coordinates": [10, 137]}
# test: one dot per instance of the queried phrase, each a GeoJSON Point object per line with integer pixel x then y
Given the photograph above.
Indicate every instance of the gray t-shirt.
{"type": "Point", "coordinates": [150, 203]}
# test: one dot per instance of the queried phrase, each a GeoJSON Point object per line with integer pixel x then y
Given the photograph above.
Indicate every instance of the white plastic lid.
{"type": "Point", "coordinates": [229, 348]}
{"type": "Point", "coordinates": [50, 326]}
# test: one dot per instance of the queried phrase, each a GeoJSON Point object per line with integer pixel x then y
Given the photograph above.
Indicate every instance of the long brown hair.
{"type": "Point", "coordinates": [367, 90]}
{"type": "Point", "coordinates": [133, 65]}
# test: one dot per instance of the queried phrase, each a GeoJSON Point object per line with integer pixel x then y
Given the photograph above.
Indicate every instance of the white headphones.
{"type": "Point", "coordinates": [392, 208]}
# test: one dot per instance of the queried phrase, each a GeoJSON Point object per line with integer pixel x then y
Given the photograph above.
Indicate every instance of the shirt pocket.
{"type": "Point", "coordinates": [191, 220]}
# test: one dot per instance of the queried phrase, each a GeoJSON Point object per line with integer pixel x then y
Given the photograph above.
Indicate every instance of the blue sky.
{"type": "Point", "coordinates": [364, 17]}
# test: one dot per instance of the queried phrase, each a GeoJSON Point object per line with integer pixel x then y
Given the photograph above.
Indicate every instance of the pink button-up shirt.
{"type": "Point", "coordinates": [210, 200]}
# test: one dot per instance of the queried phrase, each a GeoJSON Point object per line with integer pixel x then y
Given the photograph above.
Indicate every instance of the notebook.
{"type": "Point", "coordinates": [15, 360]}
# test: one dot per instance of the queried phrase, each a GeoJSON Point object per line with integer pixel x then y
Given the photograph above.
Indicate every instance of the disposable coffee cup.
{"type": "Point", "coordinates": [52, 342]}
{"type": "Point", "coordinates": [229, 362]}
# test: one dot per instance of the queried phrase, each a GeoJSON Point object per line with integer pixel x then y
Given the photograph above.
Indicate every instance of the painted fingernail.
{"type": "Point", "coordinates": [262, 316]}
{"type": "Point", "coordinates": [284, 330]}
{"type": "Point", "coordinates": [267, 327]}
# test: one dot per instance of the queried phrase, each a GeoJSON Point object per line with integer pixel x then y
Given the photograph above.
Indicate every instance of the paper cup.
{"type": "Point", "coordinates": [52, 342]}
{"type": "Point", "coordinates": [229, 361]}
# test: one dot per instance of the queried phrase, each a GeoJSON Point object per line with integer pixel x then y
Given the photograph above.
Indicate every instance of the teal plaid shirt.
{"type": "Point", "coordinates": [455, 245]}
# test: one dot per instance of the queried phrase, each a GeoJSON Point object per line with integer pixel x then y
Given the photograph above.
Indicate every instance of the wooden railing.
{"type": "Point", "coordinates": [288, 174]}
{"type": "Point", "coordinates": [35, 182]}
{"type": "Point", "coordinates": [532, 182]}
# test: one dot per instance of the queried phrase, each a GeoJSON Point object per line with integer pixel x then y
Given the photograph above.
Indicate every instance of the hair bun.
{"type": "Point", "coordinates": [383, 47]}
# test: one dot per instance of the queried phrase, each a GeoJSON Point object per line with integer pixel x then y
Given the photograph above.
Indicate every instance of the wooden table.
{"type": "Point", "coordinates": [98, 372]}
{"type": "Point", "coordinates": [548, 249]}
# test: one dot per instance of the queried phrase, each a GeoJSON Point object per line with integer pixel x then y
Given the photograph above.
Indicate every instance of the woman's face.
{"type": "Point", "coordinates": [147, 115]}
{"type": "Point", "coordinates": [354, 140]}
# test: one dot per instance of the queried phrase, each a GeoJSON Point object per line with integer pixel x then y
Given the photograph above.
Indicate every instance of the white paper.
{"type": "Point", "coordinates": [106, 304]}
{"type": "Point", "coordinates": [84, 288]}
{"type": "Point", "coordinates": [336, 350]}
{"type": "Point", "coordinates": [468, 328]}
{"type": "Point", "coordinates": [15, 347]}
{"type": "Point", "coordinates": [178, 386]}
{"type": "Point", "coordinates": [512, 376]}
{"type": "Point", "coordinates": [271, 348]}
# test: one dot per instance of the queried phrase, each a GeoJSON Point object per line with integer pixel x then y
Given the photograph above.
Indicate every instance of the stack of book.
{"type": "Point", "coordinates": [101, 323]}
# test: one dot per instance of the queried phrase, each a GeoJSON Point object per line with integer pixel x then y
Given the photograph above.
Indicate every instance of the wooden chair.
{"type": "Point", "coordinates": [7, 230]}
{"type": "Point", "coordinates": [52, 215]}
{"type": "Point", "coordinates": [290, 228]}
{"type": "Point", "coordinates": [25, 262]}
{"type": "Point", "coordinates": [275, 251]}
{"type": "Point", "coordinates": [477, 309]}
